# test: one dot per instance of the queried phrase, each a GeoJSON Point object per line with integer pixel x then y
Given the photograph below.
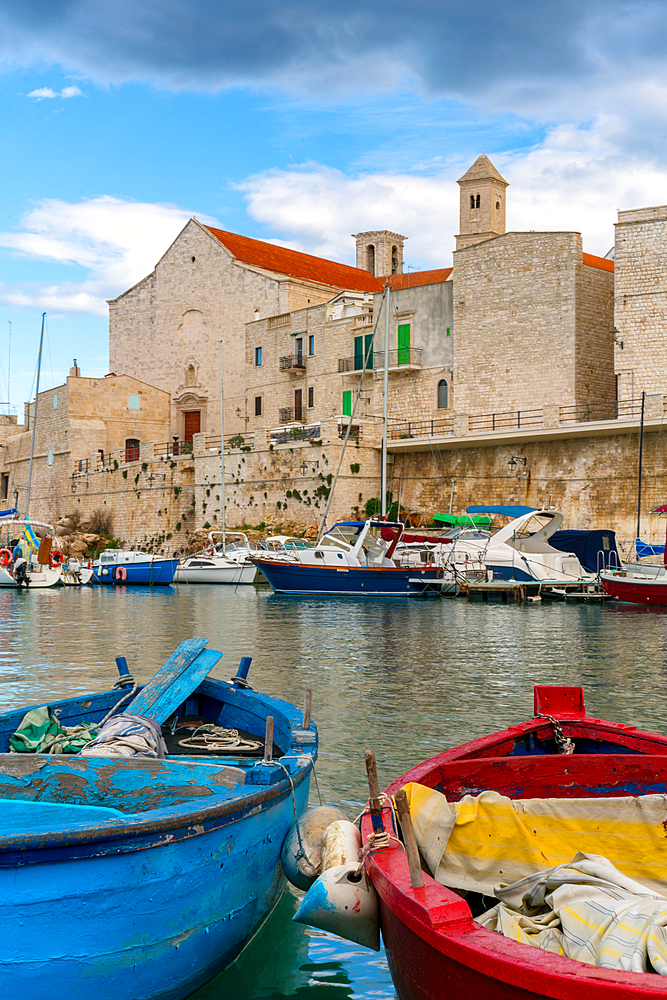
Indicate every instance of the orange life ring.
{"type": "Point", "coordinates": [120, 573]}
{"type": "Point", "coordinates": [56, 558]}
{"type": "Point", "coordinates": [5, 557]}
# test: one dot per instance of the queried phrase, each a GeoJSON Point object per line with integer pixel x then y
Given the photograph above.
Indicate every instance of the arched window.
{"type": "Point", "coordinates": [394, 260]}
{"type": "Point", "coordinates": [132, 450]}
{"type": "Point", "coordinates": [443, 394]}
{"type": "Point", "coordinates": [370, 258]}
{"type": "Point", "coordinates": [190, 375]}
{"type": "Point", "coordinates": [472, 201]}
{"type": "Point", "coordinates": [477, 202]}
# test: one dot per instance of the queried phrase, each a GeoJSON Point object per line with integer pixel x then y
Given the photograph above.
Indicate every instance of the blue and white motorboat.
{"type": "Point", "coordinates": [351, 558]}
{"type": "Point", "coordinates": [519, 550]}
{"type": "Point", "coordinates": [117, 566]}
{"type": "Point", "coordinates": [133, 878]}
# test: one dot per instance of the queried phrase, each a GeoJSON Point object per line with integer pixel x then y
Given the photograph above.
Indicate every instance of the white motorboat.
{"type": "Point", "coordinates": [43, 562]}
{"type": "Point", "coordinates": [75, 574]}
{"type": "Point", "coordinates": [226, 562]}
{"type": "Point", "coordinates": [520, 550]}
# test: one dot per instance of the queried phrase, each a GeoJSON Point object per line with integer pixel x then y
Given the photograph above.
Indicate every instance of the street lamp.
{"type": "Point", "coordinates": [514, 461]}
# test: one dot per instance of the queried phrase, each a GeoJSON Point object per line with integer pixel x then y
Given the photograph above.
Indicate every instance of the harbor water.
{"type": "Point", "coordinates": [408, 678]}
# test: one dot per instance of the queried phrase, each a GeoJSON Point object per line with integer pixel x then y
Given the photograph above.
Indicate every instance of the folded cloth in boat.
{"type": "Point", "coordinates": [40, 732]}
{"type": "Point", "coordinates": [127, 735]}
{"type": "Point", "coordinates": [586, 910]}
{"type": "Point", "coordinates": [489, 838]}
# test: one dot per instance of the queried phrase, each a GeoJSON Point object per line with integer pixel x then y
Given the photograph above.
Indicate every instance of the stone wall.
{"type": "Point", "coordinates": [640, 300]}
{"type": "Point", "coordinates": [530, 322]}
{"type": "Point", "coordinates": [592, 480]}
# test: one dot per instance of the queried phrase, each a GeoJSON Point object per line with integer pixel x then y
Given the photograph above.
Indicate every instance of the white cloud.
{"type": "Point", "coordinates": [576, 180]}
{"type": "Point", "coordinates": [47, 92]}
{"type": "Point", "coordinates": [117, 242]}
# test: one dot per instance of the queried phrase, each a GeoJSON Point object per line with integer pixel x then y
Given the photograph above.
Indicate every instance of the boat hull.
{"type": "Point", "coordinates": [39, 579]}
{"type": "Point", "coordinates": [240, 573]}
{"type": "Point", "coordinates": [635, 590]}
{"type": "Point", "coordinates": [297, 578]}
{"type": "Point", "coordinates": [157, 573]}
{"type": "Point", "coordinates": [155, 923]}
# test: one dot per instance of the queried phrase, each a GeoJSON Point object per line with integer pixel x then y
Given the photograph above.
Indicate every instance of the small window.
{"type": "Point", "coordinates": [311, 345]}
{"type": "Point", "coordinates": [477, 202]}
{"type": "Point", "coordinates": [497, 206]}
{"type": "Point", "coordinates": [258, 357]}
{"type": "Point", "coordinates": [4, 485]}
{"type": "Point", "coordinates": [443, 394]}
{"type": "Point", "coordinates": [472, 201]}
{"type": "Point", "coordinates": [50, 457]}
{"type": "Point", "coordinates": [133, 402]}
{"type": "Point", "coordinates": [258, 406]}
{"type": "Point", "coordinates": [311, 397]}
{"type": "Point", "coordinates": [55, 401]}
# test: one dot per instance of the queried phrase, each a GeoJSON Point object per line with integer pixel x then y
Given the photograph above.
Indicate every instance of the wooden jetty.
{"type": "Point", "coordinates": [531, 591]}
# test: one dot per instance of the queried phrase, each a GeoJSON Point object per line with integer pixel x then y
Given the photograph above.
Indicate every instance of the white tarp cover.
{"type": "Point", "coordinates": [586, 910]}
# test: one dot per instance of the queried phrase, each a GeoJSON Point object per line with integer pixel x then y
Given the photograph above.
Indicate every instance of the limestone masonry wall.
{"type": "Point", "coordinates": [640, 300]}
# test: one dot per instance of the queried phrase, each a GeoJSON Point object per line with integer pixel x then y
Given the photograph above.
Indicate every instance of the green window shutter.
{"type": "Point", "coordinates": [347, 402]}
{"type": "Point", "coordinates": [404, 344]}
{"type": "Point", "coordinates": [358, 353]}
{"type": "Point", "coordinates": [368, 350]}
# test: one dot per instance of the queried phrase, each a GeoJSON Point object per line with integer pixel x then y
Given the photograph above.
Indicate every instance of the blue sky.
{"type": "Point", "coordinates": [300, 123]}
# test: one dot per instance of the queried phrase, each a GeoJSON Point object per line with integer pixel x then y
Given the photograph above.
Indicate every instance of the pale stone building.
{"type": "Point", "coordinates": [167, 329]}
{"type": "Point", "coordinates": [86, 423]}
{"type": "Point", "coordinates": [533, 313]}
{"type": "Point", "coordinates": [640, 301]}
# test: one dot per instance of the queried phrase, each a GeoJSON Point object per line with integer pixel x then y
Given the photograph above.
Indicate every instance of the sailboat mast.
{"type": "Point", "coordinates": [34, 420]}
{"type": "Point", "coordinates": [383, 472]}
{"type": "Point", "coordinates": [222, 453]}
{"type": "Point", "coordinates": [639, 475]}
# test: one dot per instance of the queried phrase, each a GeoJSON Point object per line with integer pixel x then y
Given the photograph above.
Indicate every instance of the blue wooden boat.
{"type": "Point", "coordinates": [116, 566]}
{"type": "Point", "coordinates": [135, 878]}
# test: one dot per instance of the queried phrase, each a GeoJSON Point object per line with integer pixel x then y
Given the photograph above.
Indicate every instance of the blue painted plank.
{"type": "Point", "coordinates": [171, 671]}
{"type": "Point", "coordinates": [174, 687]}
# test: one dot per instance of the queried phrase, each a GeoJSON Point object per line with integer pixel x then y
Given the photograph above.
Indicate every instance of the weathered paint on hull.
{"type": "Point", "coordinates": [146, 924]}
{"type": "Point", "coordinates": [159, 573]}
{"type": "Point", "coordinates": [295, 578]}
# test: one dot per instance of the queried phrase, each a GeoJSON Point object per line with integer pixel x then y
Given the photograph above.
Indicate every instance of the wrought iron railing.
{"type": "Point", "coordinates": [231, 441]}
{"type": "Point", "coordinates": [293, 361]}
{"type": "Point", "coordinates": [284, 435]}
{"type": "Point", "coordinates": [507, 421]}
{"type": "Point", "coordinates": [420, 428]}
{"type": "Point", "coordinates": [617, 409]}
{"type": "Point", "coordinates": [404, 357]}
{"type": "Point", "coordinates": [172, 449]}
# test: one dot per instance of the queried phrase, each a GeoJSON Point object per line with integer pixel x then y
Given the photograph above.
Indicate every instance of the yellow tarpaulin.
{"type": "Point", "coordinates": [488, 839]}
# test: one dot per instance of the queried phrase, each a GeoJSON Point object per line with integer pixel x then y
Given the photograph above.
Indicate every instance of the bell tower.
{"type": "Point", "coordinates": [482, 212]}
{"type": "Point", "coordinates": [380, 252]}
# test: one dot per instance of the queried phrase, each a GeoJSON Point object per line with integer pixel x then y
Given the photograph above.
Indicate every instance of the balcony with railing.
{"type": "Point", "coordinates": [508, 420]}
{"type": "Point", "coordinates": [291, 414]}
{"type": "Point", "coordinates": [420, 428]}
{"type": "Point", "coordinates": [172, 449]}
{"type": "Point", "coordinates": [618, 409]}
{"type": "Point", "coordinates": [404, 359]}
{"type": "Point", "coordinates": [293, 363]}
{"type": "Point", "coordinates": [286, 435]}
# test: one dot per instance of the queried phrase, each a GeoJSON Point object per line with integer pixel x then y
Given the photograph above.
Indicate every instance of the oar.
{"type": "Point", "coordinates": [183, 672]}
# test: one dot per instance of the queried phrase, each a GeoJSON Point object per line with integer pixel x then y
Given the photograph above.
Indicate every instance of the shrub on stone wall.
{"type": "Point", "coordinates": [101, 521]}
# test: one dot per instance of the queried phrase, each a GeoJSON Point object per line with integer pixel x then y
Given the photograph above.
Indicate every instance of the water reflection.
{"type": "Point", "coordinates": [408, 678]}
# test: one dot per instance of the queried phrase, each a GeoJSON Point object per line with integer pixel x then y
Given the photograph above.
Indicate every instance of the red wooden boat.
{"type": "Point", "coordinates": [435, 950]}
{"type": "Point", "coordinates": [637, 587]}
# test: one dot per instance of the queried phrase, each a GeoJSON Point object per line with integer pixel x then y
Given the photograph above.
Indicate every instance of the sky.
{"type": "Point", "coordinates": [300, 123]}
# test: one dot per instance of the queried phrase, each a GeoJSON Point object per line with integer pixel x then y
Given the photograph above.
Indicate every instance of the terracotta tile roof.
{"type": "Point", "coordinates": [603, 263]}
{"type": "Point", "coordinates": [416, 278]}
{"type": "Point", "coordinates": [295, 264]}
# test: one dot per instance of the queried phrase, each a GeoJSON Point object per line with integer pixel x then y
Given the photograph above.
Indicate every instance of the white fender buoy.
{"type": "Point", "coordinates": [341, 842]}
{"type": "Point", "coordinates": [302, 872]}
{"type": "Point", "coordinates": [343, 901]}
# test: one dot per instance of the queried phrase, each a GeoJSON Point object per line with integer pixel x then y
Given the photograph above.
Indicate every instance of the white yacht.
{"type": "Point", "coordinates": [43, 562]}
{"type": "Point", "coordinates": [225, 562]}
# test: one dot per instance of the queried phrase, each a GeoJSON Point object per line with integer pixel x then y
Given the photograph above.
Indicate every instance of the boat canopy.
{"type": "Point", "coordinates": [502, 509]}
{"type": "Point", "coordinates": [595, 550]}
{"type": "Point", "coordinates": [465, 521]}
{"type": "Point", "coordinates": [645, 549]}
